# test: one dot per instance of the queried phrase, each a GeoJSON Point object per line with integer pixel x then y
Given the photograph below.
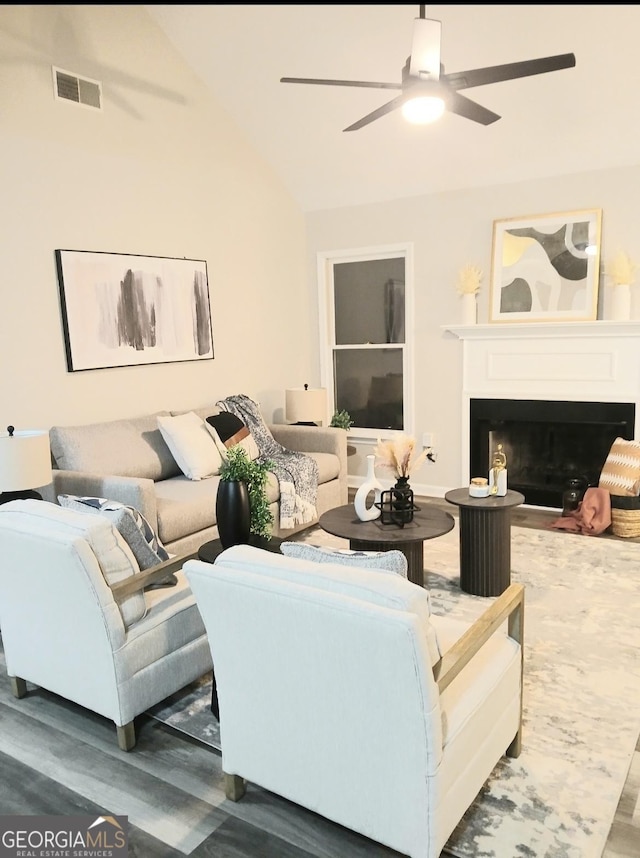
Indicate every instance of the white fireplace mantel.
{"type": "Point", "coordinates": [595, 361]}
{"type": "Point", "coordinates": [545, 330]}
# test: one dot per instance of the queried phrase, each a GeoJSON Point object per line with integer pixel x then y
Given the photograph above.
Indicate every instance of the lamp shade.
{"type": "Point", "coordinates": [25, 460]}
{"type": "Point", "coordinates": [304, 405]}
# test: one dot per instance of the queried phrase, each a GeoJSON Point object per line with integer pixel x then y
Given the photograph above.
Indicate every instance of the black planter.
{"type": "Point", "coordinates": [233, 513]}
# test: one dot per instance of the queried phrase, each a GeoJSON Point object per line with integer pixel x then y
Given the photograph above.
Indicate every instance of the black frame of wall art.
{"type": "Point", "coordinates": [122, 310]}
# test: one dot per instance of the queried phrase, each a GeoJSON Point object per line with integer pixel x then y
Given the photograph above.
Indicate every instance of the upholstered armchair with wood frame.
{"type": "Point", "coordinates": [339, 691]}
{"type": "Point", "coordinates": [76, 619]}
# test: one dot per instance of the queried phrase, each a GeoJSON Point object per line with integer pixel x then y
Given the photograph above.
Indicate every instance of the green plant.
{"type": "Point", "coordinates": [341, 420]}
{"type": "Point", "coordinates": [236, 465]}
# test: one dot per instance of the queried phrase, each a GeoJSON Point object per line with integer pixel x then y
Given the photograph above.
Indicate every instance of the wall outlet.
{"type": "Point", "coordinates": [428, 439]}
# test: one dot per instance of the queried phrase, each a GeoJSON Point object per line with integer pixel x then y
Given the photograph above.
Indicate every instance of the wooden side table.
{"type": "Point", "coordinates": [485, 541]}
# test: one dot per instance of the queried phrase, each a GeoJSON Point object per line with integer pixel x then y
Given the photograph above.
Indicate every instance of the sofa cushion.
{"type": "Point", "coordinates": [393, 562]}
{"type": "Point", "coordinates": [128, 448]}
{"type": "Point", "coordinates": [185, 506]}
{"type": "Point", "coordinates": [141, 538]}
{"type": "Point", "coordinates": [191, 445]}
{"type": "Point", "coordinates": [227, 430]}
{"type": "Point", "coordinates": [328, 466]}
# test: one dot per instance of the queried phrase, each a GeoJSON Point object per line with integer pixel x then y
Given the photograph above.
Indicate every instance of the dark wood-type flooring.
{"type": "Point", "coordinates": [57, 758]}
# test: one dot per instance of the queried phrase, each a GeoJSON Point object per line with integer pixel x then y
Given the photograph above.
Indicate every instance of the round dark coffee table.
{"type": "Point", "coordinates": [485, 541]}
{"type": "Point", "coordinates": [374, 536]}
{"type": "Point", "coordinates": [208, 551]}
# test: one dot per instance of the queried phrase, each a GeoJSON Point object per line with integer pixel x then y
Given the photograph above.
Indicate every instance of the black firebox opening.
{"type": "Point", "coordinates": [546, 442]}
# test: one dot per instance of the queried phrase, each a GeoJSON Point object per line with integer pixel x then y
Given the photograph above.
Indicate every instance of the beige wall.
{"type": "Point", "coordinates": [161, 171]}
{"type": "Point", "coordinates": [447, 231]}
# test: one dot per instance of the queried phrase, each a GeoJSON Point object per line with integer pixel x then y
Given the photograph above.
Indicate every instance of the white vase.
{"type": "Point", "coordinates": [368, 487]}
{"type": "Point", "coordinates": [621, 302]}
{"type": "Point", "coordinates": [469, 309]}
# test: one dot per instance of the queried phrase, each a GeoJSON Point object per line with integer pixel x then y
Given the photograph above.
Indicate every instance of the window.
{"type": "Point", "coordinates": [365, 342]}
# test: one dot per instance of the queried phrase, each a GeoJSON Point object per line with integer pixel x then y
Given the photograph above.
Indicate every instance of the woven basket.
{"type": "Point", "coordinates": [625, 515]}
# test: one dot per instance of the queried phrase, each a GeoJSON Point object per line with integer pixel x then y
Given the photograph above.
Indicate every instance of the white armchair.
{"type": "Point", "coordinates": [75, 618]}
{"type": "Point", "coordinates": [339, 691]}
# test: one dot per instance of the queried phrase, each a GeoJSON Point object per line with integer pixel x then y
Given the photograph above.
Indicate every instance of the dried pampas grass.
{"type": "Point", "coordinates": [622, 269]}
{"type": "Point", "coordinates": [398, 456]}
{"type": "Point", "coordinates": [469, 280]}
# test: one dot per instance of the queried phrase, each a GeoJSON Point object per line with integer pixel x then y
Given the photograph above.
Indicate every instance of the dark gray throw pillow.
{"type": "Point", "coordinates": [131, 525]}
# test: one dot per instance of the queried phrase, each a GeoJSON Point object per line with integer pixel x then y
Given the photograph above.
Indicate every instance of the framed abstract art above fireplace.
{"type": "Point", "coordinates": [546, 268]}
{"type": "Point", "coordinates": [127, 310]}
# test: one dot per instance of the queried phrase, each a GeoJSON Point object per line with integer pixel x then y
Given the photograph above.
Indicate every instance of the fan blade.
{"type": "Point", "coordinates": [425, 49]}
{"type": "Point", "coordinates": [365, 83]}
{"type": "Point", "coordinates": [463, 106]}
{"type": "Point", "coordinates": [376, 114]}
{"type": "Point", "coordinates": [509, 71]}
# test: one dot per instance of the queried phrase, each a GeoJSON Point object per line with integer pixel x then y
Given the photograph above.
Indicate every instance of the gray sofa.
{"type": "Point", "coordinates": [129, 461]}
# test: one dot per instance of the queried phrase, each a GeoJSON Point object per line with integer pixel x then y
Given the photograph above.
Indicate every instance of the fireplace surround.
{"type": "Point", "coordinates": [547, 442]}
{"type": "Point", "coordinates": [555, 394]}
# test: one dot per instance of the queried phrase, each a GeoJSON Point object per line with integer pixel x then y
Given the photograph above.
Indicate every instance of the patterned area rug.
{"type": "Point", "coordinates": [581, 695]}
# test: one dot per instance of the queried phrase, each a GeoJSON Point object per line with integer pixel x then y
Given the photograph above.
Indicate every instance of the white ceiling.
{"type": "Point", "coordinates": [562, 122]}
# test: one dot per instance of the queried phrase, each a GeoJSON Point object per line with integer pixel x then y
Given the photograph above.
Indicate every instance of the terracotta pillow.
{"type": "Point", "coordinates": [621, 470]}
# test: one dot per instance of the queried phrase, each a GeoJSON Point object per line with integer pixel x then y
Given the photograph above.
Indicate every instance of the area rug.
{"type": "Point", "coordinates": [581, 693]}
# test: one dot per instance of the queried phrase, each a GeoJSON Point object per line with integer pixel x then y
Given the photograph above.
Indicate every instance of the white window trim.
{"type": "Point", "coordinates": [325, 261]}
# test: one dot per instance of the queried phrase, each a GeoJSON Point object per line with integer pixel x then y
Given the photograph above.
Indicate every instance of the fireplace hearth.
{"type": "Point", "coordinates": [547, 442]}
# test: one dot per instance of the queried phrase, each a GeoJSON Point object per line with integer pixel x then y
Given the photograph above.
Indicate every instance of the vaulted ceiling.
{"type": "Point", "coordinates": [562, 122]}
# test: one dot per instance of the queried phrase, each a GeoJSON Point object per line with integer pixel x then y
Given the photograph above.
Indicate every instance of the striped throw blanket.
{"type": "Point", "coordinates": [296, 472]}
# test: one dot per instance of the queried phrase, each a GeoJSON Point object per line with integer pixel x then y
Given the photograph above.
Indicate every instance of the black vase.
{"type": "Point", "coordinates": [573, 494]}
{"type": "Point", "coordinates": [233, 512]}
{"type": "Point", "coordinates": [403, 501]}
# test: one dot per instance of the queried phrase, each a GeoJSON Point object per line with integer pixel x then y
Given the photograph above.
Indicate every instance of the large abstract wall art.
{"type": "Point", "coordinates": [546, 268]}
{"type": "Point", "coordinates": [127, 310]}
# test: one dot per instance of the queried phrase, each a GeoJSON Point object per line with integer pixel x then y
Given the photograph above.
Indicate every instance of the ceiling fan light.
{"type": "Point", "coordinates": [423, 109]}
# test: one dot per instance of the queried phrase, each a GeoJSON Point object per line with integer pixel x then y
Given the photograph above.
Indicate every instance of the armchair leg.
{"type": "Point", "coordinates": [516, 631]}
{"type": "Point", "coordinates": [516, 746]}
{"type": "Point", "coordinates": [18, 687]}
{"type": "Point", "coordinates": [126, 736]}
{"type": "Point", "coordinates": [234, 787]}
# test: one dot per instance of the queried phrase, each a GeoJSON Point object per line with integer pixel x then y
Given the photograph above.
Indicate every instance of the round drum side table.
{"type": "Point", "coordinates": [485, 541]}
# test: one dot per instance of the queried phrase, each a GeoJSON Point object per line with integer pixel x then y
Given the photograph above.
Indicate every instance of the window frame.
{"type": "Point", "coordinates": [327, 335]}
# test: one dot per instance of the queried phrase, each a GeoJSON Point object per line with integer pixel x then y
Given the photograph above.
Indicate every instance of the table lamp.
{"type": "Point", "coordinates": [25, 463]}
{"type": "Point", "coordinates": [306, 407]}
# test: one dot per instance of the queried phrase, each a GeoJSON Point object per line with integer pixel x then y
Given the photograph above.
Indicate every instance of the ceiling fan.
{"type": "Point", "coordinates": [426, 91]}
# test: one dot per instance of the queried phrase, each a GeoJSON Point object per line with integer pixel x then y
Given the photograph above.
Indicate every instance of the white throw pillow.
{"type": "Point", "coordinates": [191, 445]}
{"type": "Point", "coordinates": [386, 561]}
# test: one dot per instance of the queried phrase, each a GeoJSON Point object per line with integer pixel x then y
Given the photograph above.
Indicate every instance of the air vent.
{"type": "Point", "coordinates": [81, 90]}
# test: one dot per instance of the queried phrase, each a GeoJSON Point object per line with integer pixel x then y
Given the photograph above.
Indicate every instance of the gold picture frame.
{"type": "Point", "coordinates": [546, 268]}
